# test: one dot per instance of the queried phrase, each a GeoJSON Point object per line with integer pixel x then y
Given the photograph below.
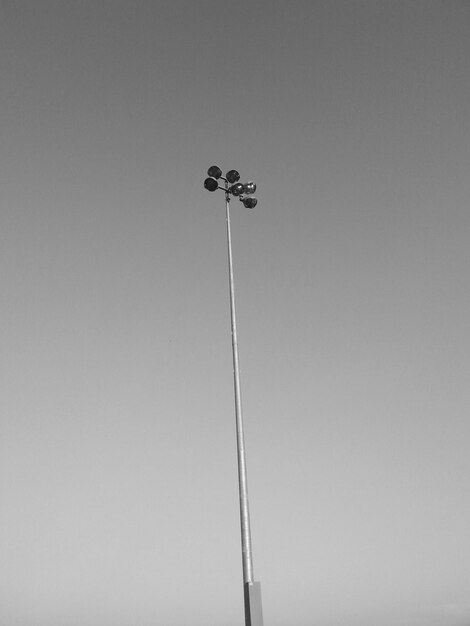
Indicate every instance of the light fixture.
{"type": "Point", "coordinates": [232, 176]}
{"type": "Point", "coordinates": [249, 187]}
{"type": "Point", "coordinates": [251, 589]}
{"type": "Point", "coordinates": [250, 203]}
{"type": "Point", "coordinates": [210, 184]}
{"type": "Point", "coordinates": [232, 186]}
{"type": "Point", "coordinates": [237, 189]}
{"type": "Point", "coordinates": [214, 172]}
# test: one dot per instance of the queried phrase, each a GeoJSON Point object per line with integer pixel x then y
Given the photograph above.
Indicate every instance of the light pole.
{"type": "Point", "coordinates": [252, 589]}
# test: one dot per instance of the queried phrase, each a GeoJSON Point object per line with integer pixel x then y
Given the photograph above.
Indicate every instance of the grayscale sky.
{"type": "Point", "coordinates": [119, 501]}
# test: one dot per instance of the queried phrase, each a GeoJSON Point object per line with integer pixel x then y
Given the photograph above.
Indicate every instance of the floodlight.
{"type": "Point", "coordinates": [231, 186]}
{"type": "Point", "coordinates": [250, 187]}
{"type": "Point", "coordinates": [237, 189]}
{"type": "Point", "coordinates": [250, 203]}
{"type": "Point", "coordinates": [232, 176]}
{"type": "Point", "coordinates": [214, 171]}
{"type": "Point", "coordinates": [210, 184]}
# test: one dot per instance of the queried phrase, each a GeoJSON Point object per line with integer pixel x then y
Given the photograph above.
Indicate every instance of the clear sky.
{"type": "Point", "coordinates": [117, 458]}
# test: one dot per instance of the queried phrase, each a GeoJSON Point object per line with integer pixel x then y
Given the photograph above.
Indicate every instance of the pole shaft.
{"type": "Point", "coordinates": [242, 479]}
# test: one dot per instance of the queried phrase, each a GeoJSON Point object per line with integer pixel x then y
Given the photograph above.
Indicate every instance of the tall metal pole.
{"type": "Point", "coordinates": [251, 589]}
{"type": "Point", "coordinates": [242, 479]}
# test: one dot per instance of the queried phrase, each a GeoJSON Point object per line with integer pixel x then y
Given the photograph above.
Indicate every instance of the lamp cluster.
{"type": "Point", "coordinates": [232, 185]}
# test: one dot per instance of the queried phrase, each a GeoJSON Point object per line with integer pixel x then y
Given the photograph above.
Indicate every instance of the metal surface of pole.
{"type": "Point", "coordinates": [242, 478]}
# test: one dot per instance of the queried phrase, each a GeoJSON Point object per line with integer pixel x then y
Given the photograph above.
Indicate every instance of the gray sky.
{"type": "Point", "coordinates": [118, 466]}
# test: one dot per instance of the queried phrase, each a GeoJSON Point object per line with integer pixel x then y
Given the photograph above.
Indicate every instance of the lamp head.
{"type": "Point", "coordinates": [237, 189]}
{"type": "Point", "coordinates": [214, 172]}
{"type": "Point", "coordinates": [250, 203]}
{"type": "Point", "coordinates": [232, 176]}
{"type": "Point", "coordinates": [250, 187]}
{"type": "Point", "coordinates": [210, 184]}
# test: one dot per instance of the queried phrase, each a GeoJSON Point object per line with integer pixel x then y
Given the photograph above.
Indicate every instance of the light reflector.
{"type": "Point", "coordinates": [250, 187]}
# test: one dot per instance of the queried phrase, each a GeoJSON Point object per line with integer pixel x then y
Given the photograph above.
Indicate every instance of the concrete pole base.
{"type": "Point", "coordinates": [253, 608]}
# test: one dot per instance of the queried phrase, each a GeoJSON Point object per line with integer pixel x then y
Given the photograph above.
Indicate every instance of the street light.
{"type": "Point", "coordinates": [251, 589]}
